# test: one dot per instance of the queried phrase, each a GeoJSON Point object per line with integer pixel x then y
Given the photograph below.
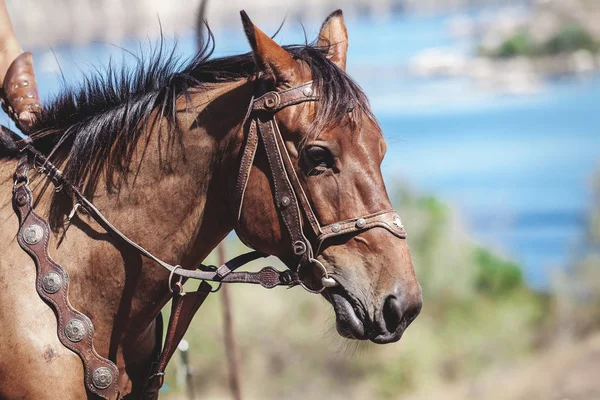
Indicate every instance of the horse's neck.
{"type": "Point", "coordinates": [179, 216]}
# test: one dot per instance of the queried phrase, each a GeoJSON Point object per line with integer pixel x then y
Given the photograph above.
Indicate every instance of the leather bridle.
{"type": "Point", "coordinates": [289, 196]}
{"type": "Point", "coordinates": [292, 205]}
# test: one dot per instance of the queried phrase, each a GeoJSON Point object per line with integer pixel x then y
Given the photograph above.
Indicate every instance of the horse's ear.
{"type": "Point", "coordinates": [271, 59]}
{"type": "Point", "coordinates": [334, 35]}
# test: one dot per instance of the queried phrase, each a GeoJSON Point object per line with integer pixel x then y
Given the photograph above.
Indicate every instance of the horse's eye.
{"type": "Point", "coordinates": [319, 157]}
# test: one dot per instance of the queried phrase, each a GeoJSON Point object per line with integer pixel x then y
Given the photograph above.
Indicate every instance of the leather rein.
{"type": "Point", "coordinates": [101, 375]}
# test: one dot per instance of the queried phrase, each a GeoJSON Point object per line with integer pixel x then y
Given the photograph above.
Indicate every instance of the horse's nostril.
{"type": "Point", "coordinates": [412, 312]}
{"type": "Point", "coordinates": [392, 313]}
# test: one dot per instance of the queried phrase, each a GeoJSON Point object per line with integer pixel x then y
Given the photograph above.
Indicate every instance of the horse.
{"type": "Point", "coordinates": [159, 150]}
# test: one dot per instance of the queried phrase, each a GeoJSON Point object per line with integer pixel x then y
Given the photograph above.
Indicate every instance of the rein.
{"type": "Point", "coordinates": [101, 375]}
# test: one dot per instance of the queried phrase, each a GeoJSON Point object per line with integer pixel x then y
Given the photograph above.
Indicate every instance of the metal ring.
{"type": "Point", "coordinates": [325, 275]}
{"type": "Point", "coordinates": [320, 264]}
{"type": "Point", "coordinates": [171, 278]}
{"type": "Point", "coordinates": [20, 182]}
{"type": "Point", "coordinates": [217, 289]}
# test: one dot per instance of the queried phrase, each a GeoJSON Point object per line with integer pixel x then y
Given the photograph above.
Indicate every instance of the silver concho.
{"type": "Point", "coordinates": [398, 222]}
{"type": "Point", "coordinates": [33, 234]}
{"type": "Point", "coordinates": [102, 377]}
{"type": "Point", "coordinates": [307, 91]}
{"type": "Point", "coordinates": [75, 330]}
{"type": "Point", "coordinates": [52, 282]}
{"type": "Point", "coordinates": [336, 228]}
{"type": "Point", "coordinates": [299, 248]}
{"type": "Point", "coordinates": [361, 223]}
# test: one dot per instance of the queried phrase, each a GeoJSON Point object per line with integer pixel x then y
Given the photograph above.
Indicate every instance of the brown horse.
{"type": "Point", "coordinates": [159, 152]}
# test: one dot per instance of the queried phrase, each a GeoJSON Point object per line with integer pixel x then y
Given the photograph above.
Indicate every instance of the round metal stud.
{"type": "Point", "coordinates": [299, 248]}
{"type": "Point", "coordinates": [285, 201]}
{"type": "Point", "coordinates": [52, 282]}
{"type": "Point", "coordinates": [75, 330]}
{"type": "Point", "coordinates": [21, 200]}
{"type": "Point", "coordinates": [271, 100]}
{"type": "Point", "coordinates": [361, 223]}
{"type": "Point", "coordinates": [336, 228]}
{"type": "Point", "coordinates": [25, 83]}
{"type": "Point", "coordinates": [307, 91]}
{"type": "Point", "coordinates": [30, 95]}
{"type": "Point", "coordinates": [33, 234]}
{"type": "Point", "coordinates": [102, 377]}
{"type": "Point", "coordinates": [15, 86]}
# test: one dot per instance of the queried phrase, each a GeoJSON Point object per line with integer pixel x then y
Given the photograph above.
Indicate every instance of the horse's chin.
{"type": "Point", "coordinates": [352, 322]}
{"type": "Point", "coordinates": [348, 324]}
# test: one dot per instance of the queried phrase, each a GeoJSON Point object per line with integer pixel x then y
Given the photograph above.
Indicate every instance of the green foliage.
{"type": "Point", "coordinates": [496, 276]}
{"type": "Point", "coordinates": [520, 44]}
{"type": "Point", "coordinates": [570, 38]}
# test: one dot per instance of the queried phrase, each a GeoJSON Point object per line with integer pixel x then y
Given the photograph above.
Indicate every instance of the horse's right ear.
{"type": "Point", "coordinates": [275, 63]}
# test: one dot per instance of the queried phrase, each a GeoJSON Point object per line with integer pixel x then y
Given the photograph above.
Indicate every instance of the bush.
{"type": "Point", "coordinates": [520, 44]}
{"type": "Point", "coordinates": [570, 38]}
{"type": "Point", "coordinates": [496, 276]}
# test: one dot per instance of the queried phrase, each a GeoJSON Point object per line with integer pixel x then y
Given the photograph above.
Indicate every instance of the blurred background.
{"type": "Point", "coordinates": [491, 112]}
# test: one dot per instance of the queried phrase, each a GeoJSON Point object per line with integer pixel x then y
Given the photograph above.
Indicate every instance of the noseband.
{"type": "Point", "coordinates": [289, 196]}
{"type": "Point", "coordinates": [76, 329]}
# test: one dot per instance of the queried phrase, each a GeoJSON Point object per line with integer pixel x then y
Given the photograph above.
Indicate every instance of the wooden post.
{"type": "Point", "coordinates": [184, 347]}
{"type": "Point", "coordinates": [230, 345]}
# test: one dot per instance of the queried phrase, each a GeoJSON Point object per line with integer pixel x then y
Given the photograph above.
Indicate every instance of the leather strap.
{"type": "Point", "coordinates": [245, 166]}
{"type": "Point", "coordinates": [389, 220]}
{"type": "Point", "coordinates": [275, 101]}
{"type": "Point", "coordinates": [183, 308]}
{"type": "Point", "coordinates": [283, 192]}
{"type": "Point", "coordinates": [75, 330]}
{"type": "Point", "coordinates": [298, 190]}
{"type": "Point", "coordinates": [268, 277]}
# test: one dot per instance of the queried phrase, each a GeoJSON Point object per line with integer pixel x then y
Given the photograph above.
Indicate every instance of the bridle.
{"type": "Point", "coordinates": [290, 198]}
{"type": "Point", "coordinates": [292, 205]}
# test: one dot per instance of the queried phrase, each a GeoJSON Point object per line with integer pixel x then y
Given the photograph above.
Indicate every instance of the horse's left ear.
{"type": "Point", "coordinates": [276, 64]}
{"type": "Point", "coordinates": [334, 35]}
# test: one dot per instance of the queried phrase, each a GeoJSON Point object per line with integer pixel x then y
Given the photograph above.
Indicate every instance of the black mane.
{"type": "Point", "coordinates": [92, 129]}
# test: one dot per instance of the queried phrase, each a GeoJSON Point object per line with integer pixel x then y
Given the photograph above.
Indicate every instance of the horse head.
{"type": "Point", "coordinates": [335, 148]}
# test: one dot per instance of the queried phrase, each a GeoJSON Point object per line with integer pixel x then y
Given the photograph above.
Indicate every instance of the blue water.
{"type": "Point", "coordinates": [517, 168]}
